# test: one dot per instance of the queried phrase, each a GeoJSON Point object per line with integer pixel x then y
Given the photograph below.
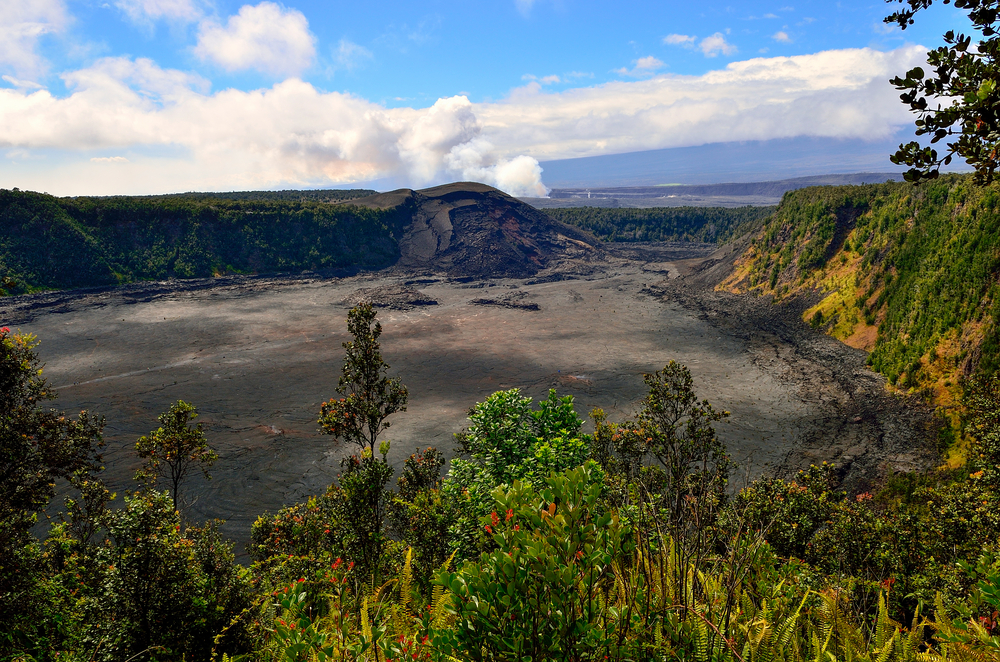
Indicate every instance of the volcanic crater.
{"type": "Point", "coordinates": [488, 293]}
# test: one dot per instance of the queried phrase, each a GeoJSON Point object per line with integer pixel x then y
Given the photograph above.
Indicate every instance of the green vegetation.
{"type": "Point", "coordinates": [543, 543]}
{"type": "Point", "coordinates": [291, 195]}
{"type": "Point", "coordinates": [370, 395]}
{"type": "Point", "coordinates": [907, 272]}
{"type": "Point", "coordinates": [710, 224]}
{"type": "Point", "coordinates": [172, 450]}
{"type": "Point", "coordinates": [48, 242]}
{"type": "Point", "coordinates": [960, 97]}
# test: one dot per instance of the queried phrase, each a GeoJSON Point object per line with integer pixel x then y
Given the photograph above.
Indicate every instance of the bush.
{"type": "Point", "coordinates": [538, 595]}
{"type": "Point", "coordinates": [508, 441]}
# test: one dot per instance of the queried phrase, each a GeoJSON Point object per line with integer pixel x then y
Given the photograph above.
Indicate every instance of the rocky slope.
{"type": "Point", "coordinates": [474, 230]}
{"type": "Point", "coordinates": [910, 274]}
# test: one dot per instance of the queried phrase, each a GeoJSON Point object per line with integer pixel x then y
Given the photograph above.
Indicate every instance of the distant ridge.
{"type": "Point", "coordinates": [287, 195]}
{"type": "Point", "coordinates": [749, 161]}
{"type": "Point", "coordinates": [731, 194]}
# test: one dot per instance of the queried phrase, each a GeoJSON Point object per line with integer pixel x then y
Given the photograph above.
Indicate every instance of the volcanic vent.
{"type": "Point", "coordinates": [474, 230]}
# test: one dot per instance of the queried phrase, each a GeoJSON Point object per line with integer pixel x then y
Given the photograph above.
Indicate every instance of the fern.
{"type": "Point", "coordinates": [405, 580]}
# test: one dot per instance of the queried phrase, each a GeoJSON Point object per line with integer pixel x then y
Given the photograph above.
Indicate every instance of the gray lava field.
{"type": "Point", "coordinates": [257, 356]}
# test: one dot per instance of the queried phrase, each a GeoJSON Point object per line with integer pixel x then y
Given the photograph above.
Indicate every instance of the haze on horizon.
{"type": "Point", "coordinates": [154, 96]}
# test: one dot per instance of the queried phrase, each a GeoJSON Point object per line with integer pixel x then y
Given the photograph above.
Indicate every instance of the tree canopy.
{"type": "Point", "coordinates": [171, 450]}
{"type": "Point", "coordinates": [370, 395]}
{"type": "Point", "coordinates": [963, 82]}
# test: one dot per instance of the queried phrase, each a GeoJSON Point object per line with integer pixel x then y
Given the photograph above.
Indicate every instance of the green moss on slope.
{"type": "Point", "coordinates": [907, 272]}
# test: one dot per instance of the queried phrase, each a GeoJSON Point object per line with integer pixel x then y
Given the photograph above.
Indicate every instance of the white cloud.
{"type": "Point", "coordinates": [840, 94]}
{"type": "Point", "coordinates": [782, 36]}
{"type": "Point", "coordinates": [180, 136]}
{"type": "Point", "coordinates": [524, 6]}
{"type": "Point", "coordinates": [264, 37]}
{"type": "Point", "coordinates": [644, 66]}
{"type": "Point", "coordinates": [543, 80]}
{"type": "Point", "coordinates": [885, 28]}
{"type": "Point", "coordinates": [144, 11]}
{"type": "Point", "coordinates": [680, 40]}
{"type": "Point", "coordinates": [22, 24]}
{"type": "Point", "coordinates": [23, 84]}
{"type": "Point", "coordinates": [715, 44]}
{"type": "Point", "coordinates": [350, 56]}
{"type": "Point", "coordinates": [109, 159]}
{"type": "Point", "coordinates": [476, 160]}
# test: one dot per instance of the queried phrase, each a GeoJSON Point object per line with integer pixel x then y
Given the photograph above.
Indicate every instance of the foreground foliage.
{"type": "Point", "coordinates": [958, 98]}
{"type": "Point", "coordinates": [542, 543]}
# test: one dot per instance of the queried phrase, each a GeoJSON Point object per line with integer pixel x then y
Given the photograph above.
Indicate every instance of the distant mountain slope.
{"type": "Point", "coordinates": [750, 161]}
{"type": "Point", "coordinates": [732, 194]}
{"type": "Point", "coordinates": [911, 274]}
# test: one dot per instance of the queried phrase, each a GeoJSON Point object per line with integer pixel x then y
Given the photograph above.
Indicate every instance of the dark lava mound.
{"type": "Point", "coordinates": [516, 300]}
{"type": "Point", "coordinates": [393, 297]}
{"type": "Point", "coordinates": [473, 230]}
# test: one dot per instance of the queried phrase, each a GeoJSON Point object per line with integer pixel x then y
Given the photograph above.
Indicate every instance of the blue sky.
{"type": "Point", "coordinates": [142, 96]}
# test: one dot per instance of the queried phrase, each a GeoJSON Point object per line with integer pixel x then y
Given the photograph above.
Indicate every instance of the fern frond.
{"type": "Point", "coordinates": [406, 580]}
{"type": "Point", "coordinates": [366, 626]}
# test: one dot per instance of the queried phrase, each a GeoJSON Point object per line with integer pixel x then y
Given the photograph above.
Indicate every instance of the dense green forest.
{"type": "Point", "coordinates": [58, 243]}
{"type": "Point", "coordinates": [331, 195]}
{"type": "Point", "coordinates": [539, 542]}
{"type": "Point", "coordinates": [54, 243]}
{"type": "Point", "coordinates": [711, 224]}
{"type": "Point", "coordinates": [909, 273]}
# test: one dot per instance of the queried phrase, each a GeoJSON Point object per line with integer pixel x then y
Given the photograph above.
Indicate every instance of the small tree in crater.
{"type": "Point", "coordinates": [172, 449]}
{"type": "Point", "coordinates": [370, 395]}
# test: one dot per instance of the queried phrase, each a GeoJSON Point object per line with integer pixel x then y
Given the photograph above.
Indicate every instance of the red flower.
{"type": "Point", "coordinates": [489, 530]}
{"type": "Point", "coordinates": [493, 516]}
{"type": "Point", "coordinates": [510, 513]}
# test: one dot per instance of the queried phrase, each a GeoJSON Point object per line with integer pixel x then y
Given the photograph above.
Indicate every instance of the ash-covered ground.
{"type": "Point", "coordinates": [257, 356]}
{"type": "Point", "coordinates": [487, 294]}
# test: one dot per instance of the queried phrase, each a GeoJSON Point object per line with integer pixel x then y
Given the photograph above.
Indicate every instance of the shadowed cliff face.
{"type": "Point", "coordinates": [474, 230]}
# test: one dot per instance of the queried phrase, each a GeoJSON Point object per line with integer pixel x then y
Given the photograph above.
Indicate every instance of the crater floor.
{"type": "Point", "coordinates": [258, 356]}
